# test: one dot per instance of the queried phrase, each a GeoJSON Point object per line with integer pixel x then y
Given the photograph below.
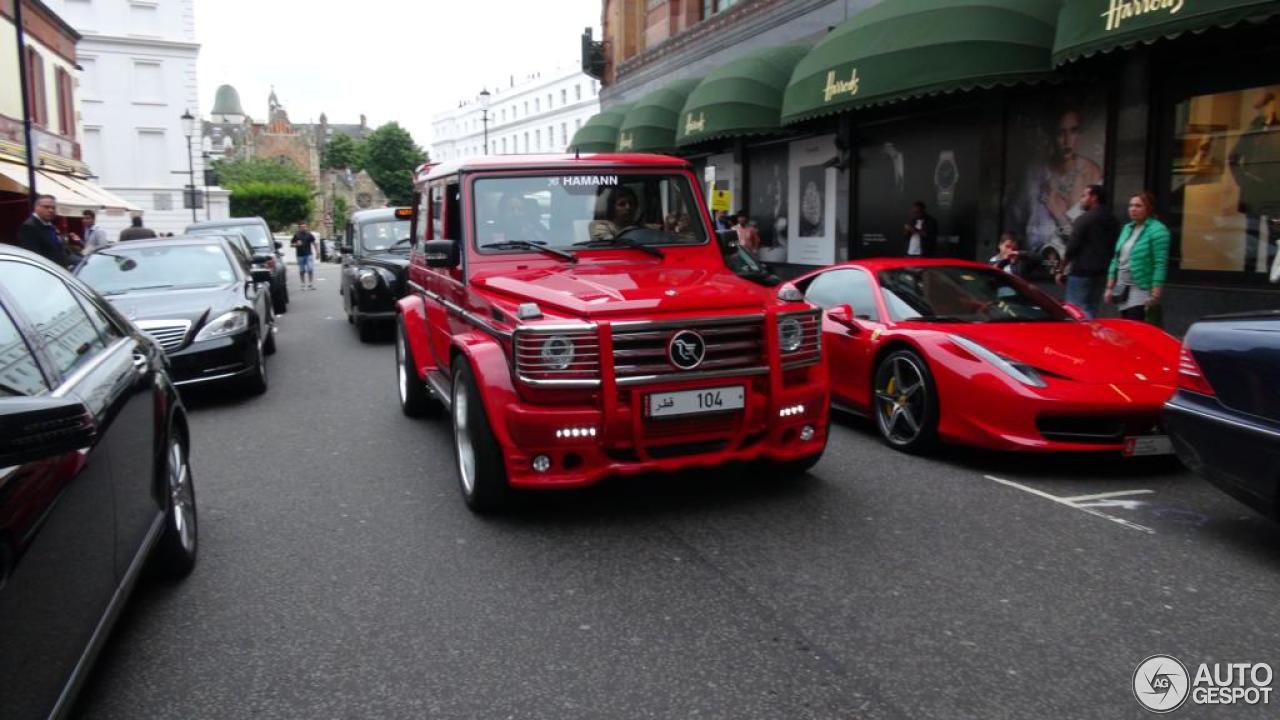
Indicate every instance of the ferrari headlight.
{"type": "Point", "coordinates": [224, 325]}
{"type": "Point", "coordinates": [368, 279]}
{"type": "Point", "coordinates": [1019, 371]}
{"type": "Point", "coordinates": [557, 352]}
{"type": "Point", "coordinates": [790, 334]}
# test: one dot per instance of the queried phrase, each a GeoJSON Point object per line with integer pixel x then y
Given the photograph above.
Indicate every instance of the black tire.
{"type": "Point", "coordinates": [256, 383]}
{"type": "Point", "coordinates": [415, 399]}
{"type": "Point", "coordinates": [280, 298]}
{"type": "Point", "coordinates": [269, 346]}
{"type": "Point", "coordinates": [488, 491]}
{"type": "Point", "coordinates": [174, 556]}
{"type": "Point", "coordinates": [365, 329]}
{"type": "Point", "coordinates": [906, 417]}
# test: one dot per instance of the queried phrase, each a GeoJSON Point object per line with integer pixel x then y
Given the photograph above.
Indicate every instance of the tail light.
{"type": "Point", "coordinates": [552, 356]}
{"type": "Point", "coordinates": [1190, 377]}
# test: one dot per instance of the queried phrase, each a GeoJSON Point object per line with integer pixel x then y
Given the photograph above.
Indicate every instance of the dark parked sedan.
{"type": "Point", "coordinates": [1225, 417]}
{"type": "Point", "coordinates": [265, 249]}
{"type": "Point", "coordinates": [94, 479]}
{"type": "Point", "coordinates": [199, 299]}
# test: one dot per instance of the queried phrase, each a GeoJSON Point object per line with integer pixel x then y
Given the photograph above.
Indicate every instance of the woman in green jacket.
{"type": "Point", "coordinates": [1135, 281]}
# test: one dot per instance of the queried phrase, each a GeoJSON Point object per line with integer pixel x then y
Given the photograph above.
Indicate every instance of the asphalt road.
{"type": "Point", "coordinates": [340, 576]}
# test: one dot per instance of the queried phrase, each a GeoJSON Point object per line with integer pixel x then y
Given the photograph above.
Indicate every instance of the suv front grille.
{"type": "Point", "coordinates": [168, 334]}
{"type": "Point", "coordinates": [733, 343]}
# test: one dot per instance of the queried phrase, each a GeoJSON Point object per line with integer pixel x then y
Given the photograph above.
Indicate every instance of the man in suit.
{"type": "Point", "coordinates": [39, 235]}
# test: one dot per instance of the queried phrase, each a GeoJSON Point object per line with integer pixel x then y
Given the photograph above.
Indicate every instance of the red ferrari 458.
{"type": "Point", "coordinates": [960, 352]}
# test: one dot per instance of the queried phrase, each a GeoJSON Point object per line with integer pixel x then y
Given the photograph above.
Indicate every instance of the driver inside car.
{"type": "Point", "coordinates": [515, 222]}
{"type": "Point", "coordinates": [621, 212]}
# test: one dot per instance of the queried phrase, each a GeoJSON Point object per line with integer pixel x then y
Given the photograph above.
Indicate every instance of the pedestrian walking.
{"type": "Point", "coordinates": [136, 231]}
{"type": "Point", "coordinates": [748, 236]}
{"type": "Point", "coordinates": [95, 237]}
{"type": "Point", "coordinates": [1089, 251]}
{"type": "Point", "coordinates": [1135, 279]}
{"type": "Point", "coordinates": [921, 232]}
{"type": "Point", "coordinates": [39, 235]}
{"type": "Point", "coordinates": [304, 244]}
{"type": "Point", "coordinates": [1009, 256]}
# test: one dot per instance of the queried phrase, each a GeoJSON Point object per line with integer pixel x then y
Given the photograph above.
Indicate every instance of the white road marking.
{"type": "Point", "coordinates": [1067, 502]}
{"type": "Point", "coordinates": [1105, 495]}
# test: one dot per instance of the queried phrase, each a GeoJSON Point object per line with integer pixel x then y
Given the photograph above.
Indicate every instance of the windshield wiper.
{"type": "Point", "coordinates": [398, 243]}
{"type": "Point", "coordinates": [526, 245]}
{"type": "Point", "coordinates": [621, 240]}
{"type": "Point", "coordinates": [136, 289]}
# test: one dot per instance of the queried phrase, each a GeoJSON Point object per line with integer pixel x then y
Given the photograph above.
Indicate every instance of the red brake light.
{"type": "Point", "coordinates": [1190, 377]}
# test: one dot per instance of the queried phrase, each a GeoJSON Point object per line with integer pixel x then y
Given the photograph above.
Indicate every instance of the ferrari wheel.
{"type": "Point", "coordinates": [906, 404]}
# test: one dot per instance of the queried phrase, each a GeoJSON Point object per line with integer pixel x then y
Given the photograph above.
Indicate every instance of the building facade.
{"type": "Point", "coordinates": [138, 80]}
{"type": "Point", "coordinates": [53, 88]}
{"type": "Point", "coordinates": [996, 120]}
{"type": "Point", "coordinates": [538, 114]}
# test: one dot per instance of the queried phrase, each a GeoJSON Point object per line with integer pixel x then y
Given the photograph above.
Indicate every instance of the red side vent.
{"type": "Point", "coordinates": [1190, 376]}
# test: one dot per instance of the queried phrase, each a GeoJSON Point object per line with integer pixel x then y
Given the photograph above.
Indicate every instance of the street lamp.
{"type": "Point", "coordinates": [189, 128]}
{"type": "Point", "coordinates": [484, 117]}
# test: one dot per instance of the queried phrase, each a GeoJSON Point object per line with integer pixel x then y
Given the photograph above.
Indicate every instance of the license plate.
{"type": "Point", "coordinates": [1148, 445]}
{"type": "Point", "coordinates": [693, 402]}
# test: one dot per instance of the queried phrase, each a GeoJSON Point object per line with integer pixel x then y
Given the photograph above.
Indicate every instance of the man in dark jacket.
{"type": "Point", "coordinates": [921, 232]}
{"type": "Point", "coordinates": [1093, 238]}
{"type": "Point", "coordinates": [135, 231]}
{"type": "Point", "coordinates": [39, 235]}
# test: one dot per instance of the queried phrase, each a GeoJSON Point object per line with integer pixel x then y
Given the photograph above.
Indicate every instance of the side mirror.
{"type": "Point", "coordinates": [441, 253]}
{"type": "Point", "coordinates": [1075, 312]}
{"type": "Point", "coordinates": [260, 275]}
{"type": "Point", "coordinates": [842, 315]}
{"type": "Point", "coordinates": [279, 244]}
{"type": "Point", "coordinates": [43, 427]}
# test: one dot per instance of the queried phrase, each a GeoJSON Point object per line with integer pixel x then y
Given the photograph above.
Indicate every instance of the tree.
{"type": "Point", "coordinates": [390, 156]}
{"type": "Point", "coordinates": [273, 171]}
{"type": "Point", "coordinates": [280, 205]}
{"type": "Point", "coordinates": [341, 152]}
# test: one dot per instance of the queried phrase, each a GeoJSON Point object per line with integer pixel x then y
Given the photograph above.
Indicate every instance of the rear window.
{"type": "Point", "coordinates": [257, 234]}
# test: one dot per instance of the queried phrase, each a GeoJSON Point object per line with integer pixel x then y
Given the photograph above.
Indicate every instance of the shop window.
{"type": "Point", "coordinates": [1224, 182]}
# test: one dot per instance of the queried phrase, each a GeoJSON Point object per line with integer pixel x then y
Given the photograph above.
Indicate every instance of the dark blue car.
{"type": "Point", "coordinates": [1225, 417]}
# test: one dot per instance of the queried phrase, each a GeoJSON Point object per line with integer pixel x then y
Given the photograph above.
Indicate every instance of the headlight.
{"type": "Point", "coordinates": [368, 279]}
{"type": "Point", "coordinates": [223, 325]}
{"type": "Point", "coordinates": [790, 334]}
{"type": "Point", "coordinates": [557, 352]}
{"type": "Point", "coordinates": [1019, 371]}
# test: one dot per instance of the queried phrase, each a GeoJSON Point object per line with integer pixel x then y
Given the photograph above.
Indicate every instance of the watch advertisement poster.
{"type": "Point", "coordinates": [812, 179]}
{"type": "Point", "coordinates": [1056, 147]}
{"type": "Point", "coordinates": [933, 160]}
{"type": "Point", "coordinates": [769, 197]}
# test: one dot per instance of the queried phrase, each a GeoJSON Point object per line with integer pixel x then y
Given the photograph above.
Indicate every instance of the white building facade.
{"type": "Point", "coordinates": [138, 79]}
{"type": "Point", "coordinates": [537, 115]}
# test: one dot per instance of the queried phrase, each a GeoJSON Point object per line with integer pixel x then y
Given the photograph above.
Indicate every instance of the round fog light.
{"type": "Point", "coordinates": [541, 464]}
{"type": "Point", "coordinates": [807, 433]}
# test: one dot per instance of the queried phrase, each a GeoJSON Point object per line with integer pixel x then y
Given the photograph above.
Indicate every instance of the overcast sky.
{"type": "Point", "coordinates": [389, 59]}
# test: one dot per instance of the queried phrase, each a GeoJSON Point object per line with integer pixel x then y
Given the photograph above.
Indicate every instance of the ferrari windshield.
{"type": "Point", "coordinates": [574, 212]}
{"type": "Point", "coordinates": [941, 293]}
{"type": "Point", "coordinates": [384, 235]}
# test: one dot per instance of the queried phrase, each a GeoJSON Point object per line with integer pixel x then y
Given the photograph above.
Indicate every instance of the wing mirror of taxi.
{"type": "Point", "coordinates": [842, 315]}
{"type": "Point", "coordinates": [1075, 312]}
{"type": "Point", "coordinates": [441, 253]}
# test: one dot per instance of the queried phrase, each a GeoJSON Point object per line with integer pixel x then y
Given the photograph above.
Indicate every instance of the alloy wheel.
{"type": "Point", "coordinates": [181, 498]}
{"type": "Point", "coordinates": [901, 400]}
{"type": "Point", "coordinates": [402, 377]}
{"type": "Point", "coordinates": [462, 438]}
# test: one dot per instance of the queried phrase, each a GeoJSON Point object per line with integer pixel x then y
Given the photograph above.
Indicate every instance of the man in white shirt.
{"type": "Point", "coordinates": [94, 236]}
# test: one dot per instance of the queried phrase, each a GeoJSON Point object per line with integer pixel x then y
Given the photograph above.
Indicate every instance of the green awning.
{"type": "Point", "coordinates": [910, 48]}
{"type": "Point", "coordinates": [599, 134]}
{"type": "Point", "coordinates": [650, 125]}
{"type": "Point", "coordinates": [742, 98]}
{"type": "Point", "coordinates": [1086, 27]}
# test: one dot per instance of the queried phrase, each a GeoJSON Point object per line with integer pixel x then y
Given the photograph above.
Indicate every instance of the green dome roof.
{"type": "Point", "coordinates": [227, 102]}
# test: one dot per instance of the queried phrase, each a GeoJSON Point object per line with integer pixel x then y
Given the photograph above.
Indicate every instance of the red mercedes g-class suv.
{"type": "Point", "coordinates": [576, 317]}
